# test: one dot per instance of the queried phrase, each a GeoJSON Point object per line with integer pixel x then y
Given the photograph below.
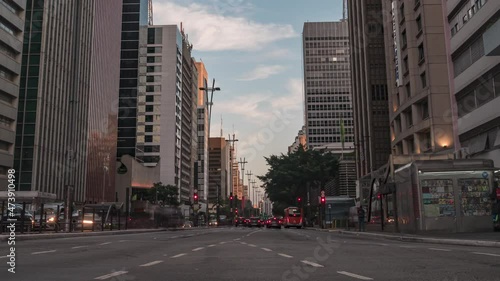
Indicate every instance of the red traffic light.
{"type": "Point", "coordinates": [231, 198]}
{"type": "Point", "coordinates": [323, 200]}
{"type": "Point", "coordinates": [299, 199]}
{"type": "Point", "coordinates": [195, 196]}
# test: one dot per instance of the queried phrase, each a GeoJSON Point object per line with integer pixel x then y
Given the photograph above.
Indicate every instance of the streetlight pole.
{"type": "Point", "coordinates": [254, 196]}
{"type": "Point", "coordinates": [249, 174]}
{"type": "Point", "coordinates": [209, 107]}
{"type": "Point", "coordinates": [242, 163]}
{"type": "Point", "coordinates": [232, 152]}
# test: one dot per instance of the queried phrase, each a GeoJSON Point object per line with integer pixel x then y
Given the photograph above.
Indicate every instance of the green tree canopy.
{"type": "Point", "coordinates": [166, 195]}
{"type": "Point", "coordinates": [288, 175]}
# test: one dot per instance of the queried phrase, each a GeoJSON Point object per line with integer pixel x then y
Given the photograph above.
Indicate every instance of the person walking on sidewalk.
{"type": "Point", "coordinates": [361, 218]}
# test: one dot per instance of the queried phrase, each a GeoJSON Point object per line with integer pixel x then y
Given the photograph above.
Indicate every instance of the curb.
{"type": "Point", "coordinates": [21, 237]}
{"type": "Point", "coordinates": [460, 242]}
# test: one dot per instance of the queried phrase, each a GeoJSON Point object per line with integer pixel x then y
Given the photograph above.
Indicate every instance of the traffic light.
{"type": "Point", "coordinates": [323, 200]}
{"type": "Point", "coordinates": [231, 200]}
{"type": "Point", "coordinates": [299, 200]}
{"type": "Point", "coordinates": [195, 197]}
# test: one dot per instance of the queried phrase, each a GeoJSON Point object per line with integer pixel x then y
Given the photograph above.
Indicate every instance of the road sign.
{"type": "Point", "coordinates": [485, 175]}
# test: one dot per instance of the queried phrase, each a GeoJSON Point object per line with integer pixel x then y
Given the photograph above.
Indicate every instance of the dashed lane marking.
{"type": "Point", "coordinates": [252, 245]}
{"type": "Point", "coordinates": [197, 249]}
{"type": "Point", "coordinates": [43, 252]}
{"type": "Point", "coordinates": [244, 243]}
{"type": "Point", "coordinates": [107, 276]}
{"type": "Point", "coordinates": [311, 263]}
{"type": "Point", "coordinates": [284, 255]}
{"type": "Point", "coordinates": [438, 249]}
{"type": "Point", "coordinates": [78, 247]}
{"type": "Point", "coordinates": [222, 243]}
{"type": "Point", "coordinates": [210, 246]}
{"type": "Point", "coordinates": [179, 255]}
{"type": "Point", "coordinates": [354, 275]}
{"type": "Point", "coordinates": [151, 263]}
{"type": "Point", "coordinates": [486, 254]}
{"type": "Point", "coordinates": [105, 243]}
{"type": "Point", "coordinates": [267, 250]}
{"type": "Point", "coordinates": [237, 239]}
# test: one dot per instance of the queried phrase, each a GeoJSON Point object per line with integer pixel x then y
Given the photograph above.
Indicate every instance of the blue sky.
{"type": "Point", "coordinates": [253, 49]}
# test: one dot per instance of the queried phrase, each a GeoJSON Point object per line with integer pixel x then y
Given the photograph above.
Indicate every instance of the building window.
{"type": "Point", "coordinates": [408, 90]}
{"type": "Point", "coordinates": [421, 53]}
{"type": "Point", "coordinates": [424, 107]}
{"type": "Point", "coordinates": [404, 40]}
{"type": "Point", "coordinates": [409, 119]}
{"type": "Point", "coordinates": [150, 98]}
{"type": "Point", "coordinates": [419, 23]}
{"type": "Point", "coordinates": [149, 108]}
{"type": "Point", "coordinates": [405, 64]}
{"type": "Point", "coordinates": [402, 12]}
{"type": "Point", "coordinates": [149, 118]}
{"type": "Point", "coordinates": [149, 128]}
{"type": "Point", "coordinates": [423, 80]}
{"type": "Point", "coordinates": [398, 100]}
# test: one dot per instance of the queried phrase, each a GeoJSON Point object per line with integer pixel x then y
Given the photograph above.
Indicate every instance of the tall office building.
{"type": "Point", "coordinates": [189, 101]}
{"type": "Point", "coordinates": [202, 117]}
{"type": "Point", "coordinates": [159, 108]}
{"type": "Point", "coordinates": [417, 76]}
{"type": "Point", "coordinates": [327, 82]}
{"type": "Point", "coordinates": [473, 29]}
{"type": "Point", "coordinates": [300, 140]}
{"type": "Point", "coordinates": [369, 86]}
{"type": "Point", "coordinates": [132, 67]}
{"type": "Point", "coordinates": [218, 166]}
{"type": "Point", "coordinates": [328, 104]}
{"type": "Point", "coordinates": [12, 15]}
{"type": "Point", "coordinates": [62, 77]}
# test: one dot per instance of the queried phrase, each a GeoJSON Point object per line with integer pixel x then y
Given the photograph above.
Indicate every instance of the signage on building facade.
{"type": "Point", "coordinates": [395, 35]}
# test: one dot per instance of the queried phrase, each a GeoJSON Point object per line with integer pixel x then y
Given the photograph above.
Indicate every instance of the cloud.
{"type": "Point", "coordinates": [262, 72]}
{"type": "Point", "coordinates": [258, 108]}
{"type": "Point", "coordinates": [212, 31]}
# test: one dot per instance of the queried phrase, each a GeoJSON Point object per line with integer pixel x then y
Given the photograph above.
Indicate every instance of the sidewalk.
{"type": "Point", "coordinates": [53, 235]}
{"type": "Point", "coordinates": [482, 239]}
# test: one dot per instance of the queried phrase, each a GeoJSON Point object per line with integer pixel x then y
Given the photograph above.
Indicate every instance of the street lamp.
{"type": "Point", "coordinates": [209, 105]}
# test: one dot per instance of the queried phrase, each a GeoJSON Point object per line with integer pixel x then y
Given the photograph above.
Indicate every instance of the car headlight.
{"type": "Point", "coordinates": [87, 222]}
{"type": "Point", "coordinates": [51, 219]}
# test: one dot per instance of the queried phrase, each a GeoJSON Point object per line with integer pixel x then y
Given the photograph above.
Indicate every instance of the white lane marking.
{"type": "Point", "coordinates": [354, 275]}
{"type": "Point", "coordinates": [174, 237]}
{"type": "Point", "coordinates": [111, 275]}
{"type": "Point", "coordinates": [237, 239]}
{"type": "Point", "coordinates": [311, 263]}
{"type": "Point", "coordinates": [252, 245]}
{"type": "Point", "coordinates": [151, 263]}
{"type": "Point", "coordinates": [438, 249]}
{"type": "Point", "coordinates": [43, 252]}
{"type": "Point", "coordinates": [284, 255]}
{"type": "Point", "coordinates": [382, 244]}
{"type": "Point", "coordinates": [78, 247]}
{"type": "Point", "coordinates": [408, 247]}
{"type": "Point", "coordinates": [197, 249]}
{"type": "Point", "coordinates": [105, 243]}
{"type": "Point", "coordinates": [121, 241]}
{"type": "Point", "coordinates": [244, 243]}
{"type": "Point", "coordinates": [190, 235]}
{"type": "Point", "coordinates": [486, 254]}
{"type": "Point", "coordinates": [308, 236]}
{"type": "Point", "coordinates": [222, 243]}
{"type": "Point", "coordinates": [179, 255]}
{"type": "Point", "coordinates": [210, 246]}
{"type": "Point", "coordinates": [267, 250]}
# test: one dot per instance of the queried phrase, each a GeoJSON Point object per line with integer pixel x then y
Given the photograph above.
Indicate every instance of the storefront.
{"type": "Point", "coordinates": [446, 196]}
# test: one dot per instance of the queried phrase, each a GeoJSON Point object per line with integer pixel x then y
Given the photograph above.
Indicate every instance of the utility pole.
{"type": "Point", "coordinates": [254, 195]}
{"type": "Point", "coordinates": [249, 174]}
{"type": "Point", "coordinates": [231, 160]}
{"type": "Point", "coordinates": [242, 163]}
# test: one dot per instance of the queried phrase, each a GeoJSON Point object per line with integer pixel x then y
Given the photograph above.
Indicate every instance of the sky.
{"type": "Point", "coordinates": [253, 50]}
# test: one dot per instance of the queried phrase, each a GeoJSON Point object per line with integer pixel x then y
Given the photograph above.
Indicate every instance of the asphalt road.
{"type": "Point", "coordinates": [246, 254]}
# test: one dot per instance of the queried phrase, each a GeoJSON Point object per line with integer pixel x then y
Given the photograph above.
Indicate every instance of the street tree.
{"type": "Point", "coordinates": [166, 195]}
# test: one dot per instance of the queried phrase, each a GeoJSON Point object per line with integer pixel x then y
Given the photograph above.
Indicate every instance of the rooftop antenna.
{"type": "Point", "coordinates": [221, 133]}
{"type": "Point", "coordinates": [150, 12]}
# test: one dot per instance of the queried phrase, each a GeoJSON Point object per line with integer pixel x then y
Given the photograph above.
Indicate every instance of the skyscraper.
{"type": "Point", "coordinates": [328, 100]}
{"type": "Point", "coordinates": [60, 80]}
{"type": "Point", "coordinates": [369, 85]}
{"type": "Point", "coordinates": [132, 66]}
{"type": "Point", "coordinates": [12, 16]}
{"type": "Point", "coordinates": [202, 117]}
{"type": "Point", "coordinates": [417, 73]}
{"type": "Point", "coordinates": [327, 82]}
{"type": "Point", "coordinates": [474, 61]}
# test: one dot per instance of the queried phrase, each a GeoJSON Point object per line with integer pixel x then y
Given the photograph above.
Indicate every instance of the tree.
{"type": "Point", "coordinates": [289, 175]}
{"type": "Point", "coordinates": [168, 195]}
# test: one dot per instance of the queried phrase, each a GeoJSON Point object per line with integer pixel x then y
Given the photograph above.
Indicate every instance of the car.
{"type": "Point", "coordinates": [212, 222]}
{"type": "Point", "coordinates": [238, 221]}
{"type": "Point", "coordinates": [188, 224]}
{"type": "Point", "coordinates": [255, 221]}
{"type": "Point", "coordinates": [274, 222]}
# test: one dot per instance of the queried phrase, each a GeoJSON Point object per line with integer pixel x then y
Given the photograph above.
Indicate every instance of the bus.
{"type": "Point", "coordinates": [293, 217]}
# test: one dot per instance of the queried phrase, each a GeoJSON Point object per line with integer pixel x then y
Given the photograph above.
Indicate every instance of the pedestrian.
{"type": "Point", "coordinates": [361, 218]}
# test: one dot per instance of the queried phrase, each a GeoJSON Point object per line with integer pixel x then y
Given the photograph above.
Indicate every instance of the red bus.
{"type": "Point", "coordinates": [293, 217]}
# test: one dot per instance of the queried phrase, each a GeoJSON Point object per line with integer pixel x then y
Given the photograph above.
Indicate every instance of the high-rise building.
{"type": "Point", "coordinates": [473, 29]}
{"type": "Point", "coordinates": [202, 117]}
{"type": "Point", "coordinates": [417, 78]}
{"type": "Point", "coordinates": [218, 169]}
{"type": "Point", "coordinates": [369, 85]}
{"type": "Point", "coordinates": [300, 140]}
{"type": "Point", "coordinates": [159, 108]}
{"type": "Point", "coordinates": [132, 66]}
{"type": "Point", "coordinates": [12, 16]}
{"type": "Point", "coordinates": [328, 100]}
{"type": "Point", "coordinates": [63, 75]}
{"type": "Point", "coordinates": [327, 82]}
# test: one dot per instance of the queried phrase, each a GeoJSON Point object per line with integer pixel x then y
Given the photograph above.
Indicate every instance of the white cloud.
{"type": "Point", "coordinates": [294, 99]}
{"type": "Point", "coordinates": [262, 72]}
{"type": "Point", "coordinates": [209, 31]}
